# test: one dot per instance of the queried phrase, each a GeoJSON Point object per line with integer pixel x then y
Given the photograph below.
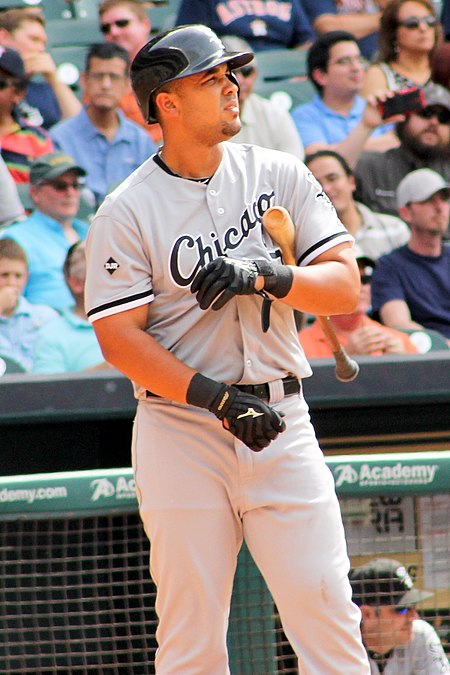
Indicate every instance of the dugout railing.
{"type": "Point", "coordinates": [76, 595]}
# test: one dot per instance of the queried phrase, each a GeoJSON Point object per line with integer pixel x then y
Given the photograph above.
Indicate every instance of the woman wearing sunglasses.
{"type": "Point", "coordinates": [409, 32]}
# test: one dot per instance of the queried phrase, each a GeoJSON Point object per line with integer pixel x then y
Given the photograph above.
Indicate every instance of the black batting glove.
{"type": "Point", "coordinates": [245, 416]}
{"type": "Point", "coordinates": [223, 278]}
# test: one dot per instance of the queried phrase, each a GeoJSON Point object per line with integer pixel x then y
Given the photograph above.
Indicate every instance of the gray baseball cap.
{"type": "Point", "coordinates": [436, 95]}
{"type": "Point", "coordinates": [420, 185]}
{"type": "Point", "coordinates": [53, 165]}
{"type": "Point", "coordinates": [383, 581]}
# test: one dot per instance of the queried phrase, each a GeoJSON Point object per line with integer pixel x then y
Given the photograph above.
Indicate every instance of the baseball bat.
{"type": "Point", "coordinates": [278, 223]}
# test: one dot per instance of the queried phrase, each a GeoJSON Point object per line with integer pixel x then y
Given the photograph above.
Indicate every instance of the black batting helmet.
{"type": "Point", "coordinates": [177, 53]}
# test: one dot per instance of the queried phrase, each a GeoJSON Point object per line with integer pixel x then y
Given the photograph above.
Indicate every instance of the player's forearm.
{"type": "Point", "coordinates": [326, 288]}
{"type": "Point", "coordinates": [361, 24]}
{"type": "Point", "coordinates": [142, 359]}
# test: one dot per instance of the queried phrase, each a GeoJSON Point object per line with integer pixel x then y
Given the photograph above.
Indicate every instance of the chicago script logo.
{"type": "Point", "coordinates": [203, 249]}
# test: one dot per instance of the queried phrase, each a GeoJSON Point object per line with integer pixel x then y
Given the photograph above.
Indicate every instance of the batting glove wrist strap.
{"type": "Point", "coordinates": [203, 391]}
{"type": "Point", "coordinates": [277, 278]}
{"type": "Point", "coordinates": [245, 416]}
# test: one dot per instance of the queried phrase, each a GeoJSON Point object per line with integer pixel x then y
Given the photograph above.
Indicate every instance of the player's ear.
{"type": "Point", "coordinates": [166, 103]}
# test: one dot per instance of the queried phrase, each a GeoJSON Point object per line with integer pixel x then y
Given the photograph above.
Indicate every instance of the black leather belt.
{"type": "Point", "coordinates": [290, 385]}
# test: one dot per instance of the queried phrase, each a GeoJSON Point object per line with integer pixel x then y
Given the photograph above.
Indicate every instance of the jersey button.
{"type": "Point", "coordinates": [249, 363]}
{"type": "Point", "coordinates": [212, 192]}
{"type": "Point", "coordinates": [220, 211]}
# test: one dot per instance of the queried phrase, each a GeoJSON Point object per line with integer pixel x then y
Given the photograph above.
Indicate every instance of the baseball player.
{"type": "Point", "coordinates": [189, 298]}
{"type": "Point", "coordinates": [397, 641]}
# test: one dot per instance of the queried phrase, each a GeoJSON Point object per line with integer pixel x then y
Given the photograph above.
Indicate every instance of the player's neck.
{"type": "Point", "coordinates": [191, 165]}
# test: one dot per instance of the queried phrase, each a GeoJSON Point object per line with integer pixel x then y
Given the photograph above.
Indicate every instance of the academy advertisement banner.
{"type": "Point", "coordinates": [113, 490]}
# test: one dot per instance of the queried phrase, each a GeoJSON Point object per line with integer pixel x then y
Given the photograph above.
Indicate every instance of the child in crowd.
{"type": "Point", "coordinates": [19, 319]}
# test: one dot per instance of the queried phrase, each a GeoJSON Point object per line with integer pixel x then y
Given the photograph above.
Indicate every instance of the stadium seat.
{"type": "Point", "coordinates": [282, 77]}
{"type": "Point", "coordinates": [16, 4]}
{"type": "Point", "coordinates": [73, 32]}
{"type": "Point", "coordinates": [281, 64]}
{"type": "Point", "coordinates": [287, 94]}
{"type": "Point", "coordinates": [8, 366]}
{"type": "Point", "coordinates": [162, 15]}
{"type": "Point", "coordinates": [70, 63]}
{"type": "Point", "coordinates": [68, 9]}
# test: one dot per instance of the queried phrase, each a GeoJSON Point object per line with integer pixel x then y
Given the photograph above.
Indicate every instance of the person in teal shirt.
{"type": "Point", "coordinates": [68, 343]}
{"type": "Point", "coordinates": [47, 234]}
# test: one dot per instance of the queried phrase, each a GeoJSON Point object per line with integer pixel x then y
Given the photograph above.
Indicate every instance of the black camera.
{"type": "Point", "coordinates": [403, 102]}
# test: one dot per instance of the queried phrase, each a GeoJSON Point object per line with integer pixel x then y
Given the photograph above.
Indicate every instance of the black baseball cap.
{"type": "Point", "coordinates": [11, 62]}
{"type": "Point", "coordinates": [383, 581]}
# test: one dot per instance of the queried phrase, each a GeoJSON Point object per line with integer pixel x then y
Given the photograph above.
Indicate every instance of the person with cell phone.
{"type": "Point", "coordinates": [409, 32]}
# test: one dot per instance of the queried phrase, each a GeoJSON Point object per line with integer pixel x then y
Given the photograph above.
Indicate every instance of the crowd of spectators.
{"type": "Point", "coordinates": [387, 178]}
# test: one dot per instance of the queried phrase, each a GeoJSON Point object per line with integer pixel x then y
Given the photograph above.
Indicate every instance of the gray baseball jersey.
{"type": "Point", "coordinates": [424, 655]}
{"type": "Point", "coordinates": [156, 230]}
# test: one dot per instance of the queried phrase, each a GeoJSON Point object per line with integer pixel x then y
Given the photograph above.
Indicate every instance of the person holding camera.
{"type": "Point", "coordinates": [338, 118]}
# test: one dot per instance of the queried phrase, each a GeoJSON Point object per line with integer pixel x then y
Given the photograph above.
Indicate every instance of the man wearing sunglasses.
{"type": "Point", "coordinates": [127, 24]}
{"type": "Point", "coordinates": [397, 641]}
{"type": "Point", "coordinates": [424, 142]}
{"type": "Point", "coordinates": [47, 234]}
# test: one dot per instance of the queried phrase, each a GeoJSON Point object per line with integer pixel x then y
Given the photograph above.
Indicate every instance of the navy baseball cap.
{"type": "Point", "coordinates": [11, 62]}
{"type": "Point", "coordinates": [383, 581]}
